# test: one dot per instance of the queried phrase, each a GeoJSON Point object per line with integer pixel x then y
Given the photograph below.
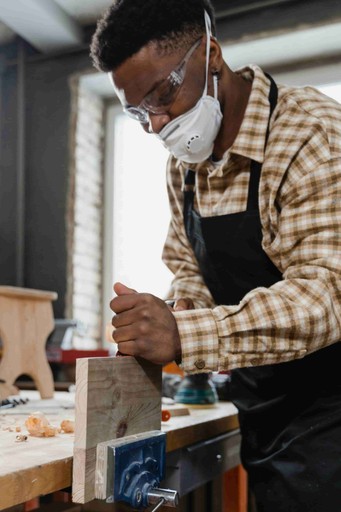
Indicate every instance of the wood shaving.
{"type": "Point", "coordinates": [50, 431]}
{"type": "Point", "coordinates": [38, 425]}
{"type": "Point", "coordinates": [20, 438]}
{"type": "Point", "coordinates": [68, 426]}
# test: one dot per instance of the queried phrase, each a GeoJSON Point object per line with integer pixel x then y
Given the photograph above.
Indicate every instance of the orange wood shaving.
{"type": "Point", "coordinates": [38, 425]}
{"type": "Point", "coordinates": [68, 426]}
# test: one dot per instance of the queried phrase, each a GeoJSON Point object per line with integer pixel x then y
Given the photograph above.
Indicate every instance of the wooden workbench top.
{"type": "Point", "coordinates": [43, 465]}
{"type": "Point", "coordinates": [202, 423]}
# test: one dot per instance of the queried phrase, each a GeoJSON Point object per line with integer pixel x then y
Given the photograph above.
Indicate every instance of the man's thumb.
{"type": "Point", "coordinates": [121, 289]}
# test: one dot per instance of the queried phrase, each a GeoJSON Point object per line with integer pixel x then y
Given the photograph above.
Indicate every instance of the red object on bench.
{"type": "Point", "coordinates": [70, 356]}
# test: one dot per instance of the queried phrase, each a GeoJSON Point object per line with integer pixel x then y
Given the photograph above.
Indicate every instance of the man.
{"type": "Point", "coordinates": [254, 241]}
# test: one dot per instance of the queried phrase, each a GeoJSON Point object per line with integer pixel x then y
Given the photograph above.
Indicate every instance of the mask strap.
{"type": "Point", "coordinates": [208, 41]}
{"type": "Point", "coordinates": [215, 86]}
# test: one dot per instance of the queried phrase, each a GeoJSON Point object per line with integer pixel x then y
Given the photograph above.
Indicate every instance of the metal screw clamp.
{"type": "Point", "coordinates": [166, 497]}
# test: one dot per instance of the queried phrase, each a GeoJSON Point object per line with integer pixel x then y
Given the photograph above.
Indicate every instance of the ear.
{"type": "Point", "coordinates": [216, 57]}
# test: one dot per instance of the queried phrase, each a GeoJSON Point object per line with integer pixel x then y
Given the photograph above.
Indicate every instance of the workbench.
{"type": "Point", "coordinates": [39, 466]}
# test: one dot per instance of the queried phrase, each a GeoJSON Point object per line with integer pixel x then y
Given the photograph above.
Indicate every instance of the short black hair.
{"type": "Point", "coordinates": [128, 25]}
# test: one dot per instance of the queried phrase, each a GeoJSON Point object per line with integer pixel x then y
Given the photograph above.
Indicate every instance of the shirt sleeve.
{"type": "Point", "coordinates": [297, 315]}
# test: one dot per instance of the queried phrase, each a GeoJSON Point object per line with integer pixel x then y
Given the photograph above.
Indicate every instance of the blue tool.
{"type": "Point", "coordinates": [196, 389]}
{"type": "Point", "coordinates": [138, 469]}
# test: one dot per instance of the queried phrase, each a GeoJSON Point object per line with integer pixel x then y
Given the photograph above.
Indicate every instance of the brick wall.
{"type": "Point", "coordinates": [85, 216]}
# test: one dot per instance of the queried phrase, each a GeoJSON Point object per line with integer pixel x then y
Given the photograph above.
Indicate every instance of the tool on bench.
{"type": "Point", "coordinates": [130, 469]}
{"type": "Point", "coordinates": [9, 403]}
{"type": "Point", "coordinates": [196, 389]}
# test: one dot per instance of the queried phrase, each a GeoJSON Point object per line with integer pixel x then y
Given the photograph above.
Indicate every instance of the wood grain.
{"type": "Point", "coordinates": [115, 397]}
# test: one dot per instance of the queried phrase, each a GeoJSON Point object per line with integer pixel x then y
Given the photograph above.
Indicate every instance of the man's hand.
{"type": "Point", "coordinates": [144, 326]}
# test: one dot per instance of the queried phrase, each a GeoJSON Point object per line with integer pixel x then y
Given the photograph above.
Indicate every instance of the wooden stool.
{"type": "Point", "coordinates": [26, 320]}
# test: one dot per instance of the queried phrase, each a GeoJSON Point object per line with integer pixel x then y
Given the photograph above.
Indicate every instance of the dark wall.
{"type": "Point", "coordinates": [47, 100]}
{"type": "Point", "coordinates": [8, 177]}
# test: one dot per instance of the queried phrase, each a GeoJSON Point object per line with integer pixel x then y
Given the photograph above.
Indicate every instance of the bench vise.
{"type": "Point", "coordinates": [130, 469]}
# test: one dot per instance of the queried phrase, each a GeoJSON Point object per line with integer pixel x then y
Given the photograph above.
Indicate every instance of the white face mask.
{"type": "Point", "coordinates": [190, 137]}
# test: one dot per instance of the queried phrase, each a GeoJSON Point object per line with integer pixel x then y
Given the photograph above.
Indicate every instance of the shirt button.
{"type": "Point", "coordinates": [200, 364]}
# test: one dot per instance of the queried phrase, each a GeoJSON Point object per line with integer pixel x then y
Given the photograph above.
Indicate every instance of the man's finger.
{"type": "Point", "coordinates": [122, 289]}
{"type": "Point", "coordinates": [124, 302]}
{"type": "Point", "coordinates": [128, 348]}
{"type": "Point", "coordinates": [127, 317]}
{"type": "Point", "coordinates": [127, 333]}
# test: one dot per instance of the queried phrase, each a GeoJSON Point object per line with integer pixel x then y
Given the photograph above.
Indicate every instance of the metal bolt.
{"type": "Point", "coordinates": [168, 497]}
{"type": "Point", "coordinates": [219, 457]}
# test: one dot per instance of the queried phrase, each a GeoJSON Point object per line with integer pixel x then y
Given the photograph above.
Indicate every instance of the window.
{"type": "Point", "coordinates": [332, 90]}
{"type": "Point", "coordinates": [85, 216]}
{"type": "Point", "coordinates": [139, 214]}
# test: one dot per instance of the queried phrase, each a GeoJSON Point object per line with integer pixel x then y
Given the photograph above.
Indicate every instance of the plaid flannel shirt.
{"type": "Point", "coordinates": [300, 209]}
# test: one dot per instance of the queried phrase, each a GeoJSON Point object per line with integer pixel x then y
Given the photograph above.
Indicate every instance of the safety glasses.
{"type": "Point", "coordinates": [160, 99]}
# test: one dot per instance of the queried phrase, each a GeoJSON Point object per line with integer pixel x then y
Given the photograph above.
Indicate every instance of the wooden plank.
{"type": "Point", "coordinates": [27, 293]}
{"type": "Point", "coordinates": [235, 490]}
{"type": "Point", "coordinates": [36, 481]}
{"type": "Point", "coordinates": [115, 397]}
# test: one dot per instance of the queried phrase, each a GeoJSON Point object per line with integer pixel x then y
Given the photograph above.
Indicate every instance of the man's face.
{"type": "Point", "coordinates": [145, 77]}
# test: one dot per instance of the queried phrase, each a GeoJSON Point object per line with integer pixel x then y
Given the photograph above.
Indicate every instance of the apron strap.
{"type": "Point", "coordinates": [189, 190]}
{"type": "Point", "coordinates": [256, 167]}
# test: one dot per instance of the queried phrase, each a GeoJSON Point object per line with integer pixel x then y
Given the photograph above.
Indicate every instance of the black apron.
{"type": "Point", "coordinates": [289, 413]}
